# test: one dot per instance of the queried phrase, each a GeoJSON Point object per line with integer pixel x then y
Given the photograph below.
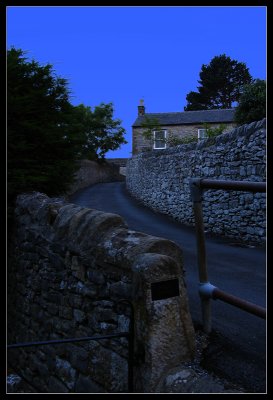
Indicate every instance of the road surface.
{"type": "Point", "coordinates": [237, 349]}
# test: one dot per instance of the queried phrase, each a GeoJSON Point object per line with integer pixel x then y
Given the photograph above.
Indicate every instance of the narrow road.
{"type": "Point", "coordinates": [238, 341]}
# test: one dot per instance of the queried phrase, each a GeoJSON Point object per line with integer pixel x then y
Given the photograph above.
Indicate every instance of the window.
{"type": "Point", "coordinates": [202, 134]}
{"type": "Point", "coordinates": [160, 139]}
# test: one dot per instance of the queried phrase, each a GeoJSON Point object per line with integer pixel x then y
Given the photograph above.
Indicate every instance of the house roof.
{"type": "Point", "coordinates": [189, 117]}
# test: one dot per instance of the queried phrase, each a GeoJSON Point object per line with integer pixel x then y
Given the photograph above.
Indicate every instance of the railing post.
{"type": "Point", "coordinates": [206, 290]}
{"type": "Point", "coordinates": [196, 196]}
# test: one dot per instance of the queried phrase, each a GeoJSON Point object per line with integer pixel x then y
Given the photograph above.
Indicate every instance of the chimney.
{"type": "Point", "coordinates": [141, 108]}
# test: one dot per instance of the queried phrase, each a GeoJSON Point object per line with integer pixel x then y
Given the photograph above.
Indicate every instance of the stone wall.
{"type": "Point", "coordinates": [68, 268]}
{"type": "Point", "coordinates": [140, 143]}
{"type": "Point", "coordinates": [121, 162]}
{"type": "Point", "coordinates": [160, 180]}
{"type": "Point", "coordinates": [91, 172]}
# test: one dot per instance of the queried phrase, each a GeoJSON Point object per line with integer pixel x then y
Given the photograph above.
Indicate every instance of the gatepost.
{"type": "Point", "coordinates": [165, 336]}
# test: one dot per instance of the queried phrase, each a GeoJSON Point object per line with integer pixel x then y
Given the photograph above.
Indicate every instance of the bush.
{"type": "Point", "coordinates": [175, 141]}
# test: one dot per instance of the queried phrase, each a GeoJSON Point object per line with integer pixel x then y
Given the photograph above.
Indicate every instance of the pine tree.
{"type": "Point", "coordinates": [221, 84]}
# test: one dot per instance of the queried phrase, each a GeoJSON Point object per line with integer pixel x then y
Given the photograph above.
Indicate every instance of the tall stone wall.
{"type": "Point", "coordinates": [91, 172]}
{"type": "Point", "coordinates": [160, 180]}
{"type": "Point", "coordinates": [69, 267]}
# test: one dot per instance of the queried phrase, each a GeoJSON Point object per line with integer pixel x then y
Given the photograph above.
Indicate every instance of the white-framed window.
{"type": "Point", "coordinates": [202, 134]}
{"type": "Point", "coordinates": [160, 139]}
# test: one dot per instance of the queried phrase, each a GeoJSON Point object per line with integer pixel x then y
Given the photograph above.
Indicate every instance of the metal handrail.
{"type": "Point", "coordinates": [206, 290]}
{"type": "Point", "coordinates": [233, 185]}
{"type": "Point", "coordinates": [72, 340]}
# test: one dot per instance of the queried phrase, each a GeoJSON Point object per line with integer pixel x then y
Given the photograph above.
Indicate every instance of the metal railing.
{"type": "Point", "coordinates": [206, 290]}
{"type": "Point", "coordinates": [129, 335]}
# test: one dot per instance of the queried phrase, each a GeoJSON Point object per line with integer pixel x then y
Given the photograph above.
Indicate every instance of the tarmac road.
{"type": "Point", "coordinates": [237, 349]}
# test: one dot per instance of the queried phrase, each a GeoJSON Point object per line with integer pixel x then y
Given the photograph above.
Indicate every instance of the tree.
{"type": "Point", "coordinates": [100, 131]}
{"type": "Point", "coordinates": [46, 135]}
{"type": "Point", "coordinates": [221, 84]}
{"type": "Point", "coordinates": [252, 103]}
{"type": "Point", "coordinates": [41, 152]}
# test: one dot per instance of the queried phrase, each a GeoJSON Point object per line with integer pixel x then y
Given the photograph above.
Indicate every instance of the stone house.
{"type": "Point", "coordinates": [177, 124]}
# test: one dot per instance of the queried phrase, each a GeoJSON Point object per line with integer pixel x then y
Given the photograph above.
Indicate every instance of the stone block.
{"type": "Point", "coordinates": [79, 316]}
{"type": "Point", "coordinates": [55, 385]}
{"type": "Point", "coordinates": [85, 384]}
{"type": "Point", "coordinates": [66, 312]}
{"type": "Point", "coordinates": [79, 359]}
{"type": "Point", "coordinates": [66, 373]}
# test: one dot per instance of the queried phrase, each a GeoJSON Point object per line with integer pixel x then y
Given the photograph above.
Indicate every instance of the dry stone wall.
{"type": "Point", "coordinates": [92, 172]}
{"type": "Point", "coordinates": [160, 180]}
{"type": "Point", "coordinates": [68, 269]}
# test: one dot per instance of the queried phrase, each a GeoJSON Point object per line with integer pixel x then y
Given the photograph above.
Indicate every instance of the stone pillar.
{"type": "Point", "coordinates": [164, 331]}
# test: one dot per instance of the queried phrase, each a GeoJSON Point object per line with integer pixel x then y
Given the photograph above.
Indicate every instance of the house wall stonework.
{"type": "Point", "coordinates": [141, 144]}
{"type": "Point", "coordinates": [160, 179]}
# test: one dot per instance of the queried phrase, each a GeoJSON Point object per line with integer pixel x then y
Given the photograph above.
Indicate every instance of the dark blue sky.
{"type": "Point", "coordinates": [122, 54]}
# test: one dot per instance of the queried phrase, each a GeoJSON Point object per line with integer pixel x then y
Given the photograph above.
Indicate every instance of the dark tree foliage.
{"type": "Point", "coordinates": [252, 103]}
{"type": "Point", "coordinates": [41, 152]}
{"type": "Point", "coordinates": [100, 131]}
{"type": "Point", "coordinates": [46, 135]}
{"type": "Point", "coordinates": [221, 83]}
